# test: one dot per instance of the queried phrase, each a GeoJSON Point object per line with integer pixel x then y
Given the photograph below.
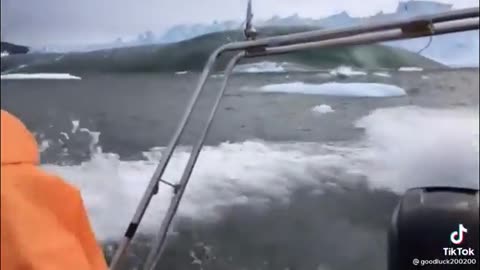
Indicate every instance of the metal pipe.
{"type": "Point", "coordinates": [166, 155]}
{"type": "Point", "coordinates": [440, 29]}
{"type": "Point", "coordinates": [159, 243]}
{"type": "Point", "coordinates": [456, 15]}
{"type": "Point", "coordinates": [318, 35]}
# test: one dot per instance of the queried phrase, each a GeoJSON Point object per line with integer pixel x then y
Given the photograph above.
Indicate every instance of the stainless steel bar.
{"type": "Point", "coordinates": [456, 15]}
{"type": "Point", "coordinates": [318, 35]}
{"type": "Point", "coordinates": [166, 155]}
{"type": "Point", "coordinates": [159, 243]}
{"type": "Point", "coordinates": [439, 29]}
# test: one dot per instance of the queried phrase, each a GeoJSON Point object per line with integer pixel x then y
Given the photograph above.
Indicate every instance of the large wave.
{"type": "Point", "coordinates": [251, 203]}
{"type": "Point", "coordinates": [192, 54]}
{"type": "Point", "coordinates": [443, 150]}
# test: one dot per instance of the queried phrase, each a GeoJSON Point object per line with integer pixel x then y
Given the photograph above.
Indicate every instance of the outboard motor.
{"type": "Point", "coordinates": [435, 228]}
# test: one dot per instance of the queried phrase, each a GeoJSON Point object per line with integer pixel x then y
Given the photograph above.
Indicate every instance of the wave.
{"type": "Point", "coordinates": [403, 147]}
{"type": "Point", "coordinates": [423, 146]}
{"type": "Point", "coordinates": [192, 55]}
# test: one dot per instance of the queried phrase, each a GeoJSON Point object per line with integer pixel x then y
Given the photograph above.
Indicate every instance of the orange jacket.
{"type": "Point", "coordinates": [44, 225]}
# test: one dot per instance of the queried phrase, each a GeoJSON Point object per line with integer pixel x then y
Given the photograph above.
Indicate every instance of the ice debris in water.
{"type": "Point", "coordinates": [322, 109]}
{"type": "Point", "coordinates": [344, 71]}
{"type": "Point", "coordinates": [410, 69]}
{"type": "Point", "coordinates": [337, 89]}
{"type": "Point", "coordinates": [216, 76]}
{"type": "Point", "coordinates": [94, 147]}
{"type": "Point", "coordinates": [37, 76]}
{"type": "Point", "coordinates": [382, 74]}
{"type": "Point", "coordinates": [44, 144]}
{"type": "Point", "coordinates": [259, 67]}
{"type": "Point", "coordinates": [64, 134]}
{"type": "Point", "coordinates": [76, 124]}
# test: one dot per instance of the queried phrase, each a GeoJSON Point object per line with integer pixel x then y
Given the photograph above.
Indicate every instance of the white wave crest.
{"type": "Point", "coordinates": [413, 146]}
{"type": "Point", "coordinates": [403, 148]}
{"type": "Point", "coordinates": [251, 172]}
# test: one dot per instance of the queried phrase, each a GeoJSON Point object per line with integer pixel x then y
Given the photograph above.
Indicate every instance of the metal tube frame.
{"type": "Point", "coordinates": [153, 257]}
{"type": "Point", "coordinates": [448, 22]}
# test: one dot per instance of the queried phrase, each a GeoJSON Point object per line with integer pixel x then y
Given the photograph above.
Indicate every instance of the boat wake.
{"type": "Point", "coordinates": [402, 148]}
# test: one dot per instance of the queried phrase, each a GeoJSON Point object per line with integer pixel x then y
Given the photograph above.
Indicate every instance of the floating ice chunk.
{"type": "Point", "coordinates": [410, 69]}
{"type": "Point", "coordinates": [260, 67]}
{"type": "Point", "coordinates": [337, 89]}
{"type": "Point", "coordinates": [382, 74]}
{"type": "Point", "coordinates": [75, 125]}
{"type": "Point", "coordinates": [346, 72]}
{"type": "Point", "coordinates": [322, 109]}
{"type": "Point", "coordinates": [38, 76]}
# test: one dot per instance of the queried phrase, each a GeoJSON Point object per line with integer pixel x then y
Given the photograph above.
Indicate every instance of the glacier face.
{"type": "Point", "coordinates": [459, 49]}
{"type": "Point", "coordinates": [462, 48]}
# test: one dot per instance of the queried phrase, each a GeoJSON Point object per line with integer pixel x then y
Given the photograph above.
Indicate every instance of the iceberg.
{"type": "Point", "coordinates": [337, 89]}
{"type": "Point", "coordinates": [39, 76]}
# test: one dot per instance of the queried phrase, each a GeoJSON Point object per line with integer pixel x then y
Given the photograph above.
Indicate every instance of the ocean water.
{"type": "Point", "coordinates": [293, 177]}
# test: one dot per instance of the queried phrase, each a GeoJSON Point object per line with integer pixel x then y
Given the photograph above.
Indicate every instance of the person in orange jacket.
{"type": "Point", "coordinates": [43, 220]}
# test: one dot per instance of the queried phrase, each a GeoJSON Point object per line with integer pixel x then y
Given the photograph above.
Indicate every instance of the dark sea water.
{"type": "Point", "coordinates": [278, 186]}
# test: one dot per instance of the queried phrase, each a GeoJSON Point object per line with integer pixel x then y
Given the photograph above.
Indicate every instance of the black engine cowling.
{"type": "Point", "coordinates": [435, 228]}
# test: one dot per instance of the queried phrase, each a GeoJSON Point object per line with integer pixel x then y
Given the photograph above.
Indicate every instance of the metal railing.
{"type": "Point", "coordinates": [444, 23]}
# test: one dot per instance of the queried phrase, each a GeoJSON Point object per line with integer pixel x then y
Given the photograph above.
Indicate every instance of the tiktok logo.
{"type": "Point", "coordinates": [456, 237]}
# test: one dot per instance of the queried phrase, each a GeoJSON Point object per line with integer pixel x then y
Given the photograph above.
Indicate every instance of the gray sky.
{"type": "Point", "coordinates": [43, 22]}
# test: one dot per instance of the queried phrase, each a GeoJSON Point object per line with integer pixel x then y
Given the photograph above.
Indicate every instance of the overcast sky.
{"type": "Point", "coordinates": [42, 22]}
